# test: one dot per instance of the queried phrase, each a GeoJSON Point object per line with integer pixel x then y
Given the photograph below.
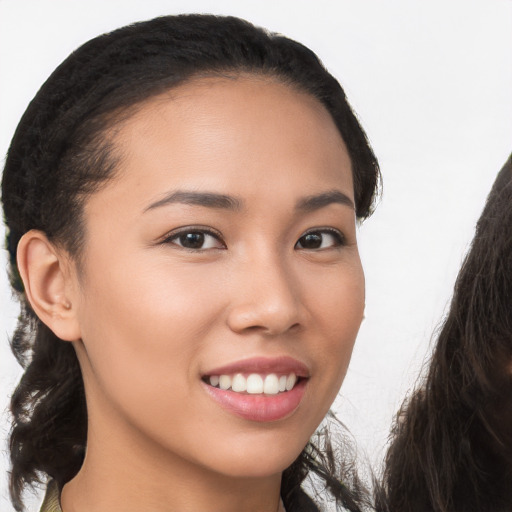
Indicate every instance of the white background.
{"type": "Point", "coordinates": [432, 85]}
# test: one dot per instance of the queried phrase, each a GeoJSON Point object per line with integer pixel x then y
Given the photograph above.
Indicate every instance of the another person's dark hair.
{"type": "Point", "coordinates": [451, 448]}
{"type": "Point", "coordinates": [61, 153]}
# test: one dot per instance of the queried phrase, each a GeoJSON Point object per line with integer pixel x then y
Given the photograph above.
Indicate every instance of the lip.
{"type": "Point", "coordinates": [260, 408]}
{"type": "Point", "coordinates": [280, 365]}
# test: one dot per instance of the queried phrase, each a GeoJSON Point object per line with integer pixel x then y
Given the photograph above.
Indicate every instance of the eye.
{"type": "Point", "coordinates": [320, 239]}
{"type": "Point", "coordinates": [195, 239]}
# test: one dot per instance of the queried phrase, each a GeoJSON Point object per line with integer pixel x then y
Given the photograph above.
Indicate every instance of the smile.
{"type": "Point", "coordinates": [258, 389]}
{"type": "Point", "coordinates": [254, 383]}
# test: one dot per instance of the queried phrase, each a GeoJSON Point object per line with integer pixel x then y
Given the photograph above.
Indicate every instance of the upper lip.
{"type": "Point", "coordinates": [283, 365]}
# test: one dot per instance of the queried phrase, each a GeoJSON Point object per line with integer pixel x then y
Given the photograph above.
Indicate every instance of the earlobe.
{"type": "Point", "coordinates": [46, 277]}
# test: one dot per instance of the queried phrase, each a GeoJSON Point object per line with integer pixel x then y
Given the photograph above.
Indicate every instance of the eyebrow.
{"type": "Point", "coordinates": [225, 202]}
{"type": "Point", "coordinates": [206, 199]}
{"type": "Point", "coordinates": [315, 202]}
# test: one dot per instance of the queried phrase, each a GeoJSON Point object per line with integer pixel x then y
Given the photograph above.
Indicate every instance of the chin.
{"type": "Point", "coordinates": [259, 460]}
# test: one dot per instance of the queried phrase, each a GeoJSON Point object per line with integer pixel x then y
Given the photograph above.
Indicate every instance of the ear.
{"type": "Point", "coordinates": [49, 283]}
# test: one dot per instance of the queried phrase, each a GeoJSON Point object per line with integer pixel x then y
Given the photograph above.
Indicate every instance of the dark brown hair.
{"type": "Point", "coordinates": [451, 448]}
{"type": "Point", "coordinates": [59, 156]}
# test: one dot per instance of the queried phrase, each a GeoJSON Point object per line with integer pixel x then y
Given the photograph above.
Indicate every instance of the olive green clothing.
{"type": "Point", "coordinates": [51, 499]}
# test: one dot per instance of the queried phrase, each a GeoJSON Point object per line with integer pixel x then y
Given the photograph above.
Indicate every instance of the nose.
{"type": "Point", "coordinates": [266, 298]}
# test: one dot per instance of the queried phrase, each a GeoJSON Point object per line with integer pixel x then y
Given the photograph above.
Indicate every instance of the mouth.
{"type": "Point", "coordinates": [254, 383]}
{"type": "Point", "coordinates": [258, 389]}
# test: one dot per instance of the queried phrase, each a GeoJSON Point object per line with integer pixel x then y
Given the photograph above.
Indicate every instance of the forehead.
{"type": "Point", "coordinates": [210, 101]}
{"type": "Point", "coordinates": [231, 132]}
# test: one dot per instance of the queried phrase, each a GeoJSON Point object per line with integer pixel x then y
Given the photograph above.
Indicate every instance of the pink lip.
{"type": "Point", "coordinates": [281, 365]}
{"type": "Point", "coordinates": [262, 408]}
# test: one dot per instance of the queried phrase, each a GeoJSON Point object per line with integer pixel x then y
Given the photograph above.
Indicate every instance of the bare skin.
{"type": "Point", "coordinates": [274, 272]}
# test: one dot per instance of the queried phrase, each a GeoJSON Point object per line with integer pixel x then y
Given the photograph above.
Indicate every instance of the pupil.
{"type": "Point", "coordinates": [192, 240]}
{"type": "Point", "coordinates": [311, 241]}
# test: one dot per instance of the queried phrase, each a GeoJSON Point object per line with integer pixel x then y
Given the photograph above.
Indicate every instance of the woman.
{"type": "Point", "coordinates": [451, 448]}
{"type": "Point", "coordinates": [181, 200]}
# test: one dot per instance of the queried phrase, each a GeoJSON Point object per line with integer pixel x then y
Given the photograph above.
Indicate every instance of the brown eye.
{"type": "Point", "coordinates": [320, 240]}
{"type": "Point", "coordinates": [195, 240]}
{"type": "Point", "coordinates": [192, 240]}
{"type": "Point", "coordinates": [311, 241]}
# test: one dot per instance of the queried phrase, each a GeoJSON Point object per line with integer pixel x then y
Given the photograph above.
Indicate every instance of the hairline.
{"type": "Point", "coordinates": [112, 122]}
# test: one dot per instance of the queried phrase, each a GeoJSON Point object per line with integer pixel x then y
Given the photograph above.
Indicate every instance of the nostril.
{"type": "Point", "coordinates": [271, 330]}
{"type": "Point", "coordinates": [270, 314]}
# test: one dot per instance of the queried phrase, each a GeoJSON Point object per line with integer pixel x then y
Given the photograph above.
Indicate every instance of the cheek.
{"type": "Point", "coordinates": [145, 327]}
{"type": "Point", "coordinates": [339, 307]}
{"type": "Point", "coordinates": [340, 301]}
{"type": "Point", "coordinates": [153, 296]}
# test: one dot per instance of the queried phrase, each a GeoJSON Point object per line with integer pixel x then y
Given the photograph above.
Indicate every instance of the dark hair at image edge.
{"type": "Point", "coordinates": [451, 447]}
{"type": "Point", "coordinates": [59, 155]}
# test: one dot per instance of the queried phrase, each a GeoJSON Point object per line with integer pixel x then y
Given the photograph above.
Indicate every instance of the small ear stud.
{"type": "Point", "coordinates": [67, 305]}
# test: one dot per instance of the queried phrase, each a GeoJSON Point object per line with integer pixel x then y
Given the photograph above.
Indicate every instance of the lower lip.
{"type": "Point", "coordinates": [263, 408]}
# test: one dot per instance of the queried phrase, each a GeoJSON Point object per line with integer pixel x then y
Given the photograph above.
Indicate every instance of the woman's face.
{"type": "Point", "coordinates": [223, 253]}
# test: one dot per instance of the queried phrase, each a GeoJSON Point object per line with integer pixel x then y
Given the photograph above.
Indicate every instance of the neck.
{"type": "Point", "coordinates": [132, 474]}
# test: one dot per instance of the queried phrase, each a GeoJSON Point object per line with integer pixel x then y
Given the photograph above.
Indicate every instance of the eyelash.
{"type": "Point", "coordinates": [339, 238]}
{"type": "Point", "coordinates": [172, 238]}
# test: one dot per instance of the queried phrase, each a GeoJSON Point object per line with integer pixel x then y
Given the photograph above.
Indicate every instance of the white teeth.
{"type": "Point", "coordinates": [225, 382]}
{"type": "Point", "coordinates": [271, 385]}
{"type": "Point", "coordinates": [290, 381]}
{"type": "Point", "coordinates": [239, 383]}
{"type": "Point", "coordinates": [254, 383]}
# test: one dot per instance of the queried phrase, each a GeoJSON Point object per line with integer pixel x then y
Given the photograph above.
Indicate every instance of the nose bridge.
{"type": "Point", "coordinates": [267, 294]}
